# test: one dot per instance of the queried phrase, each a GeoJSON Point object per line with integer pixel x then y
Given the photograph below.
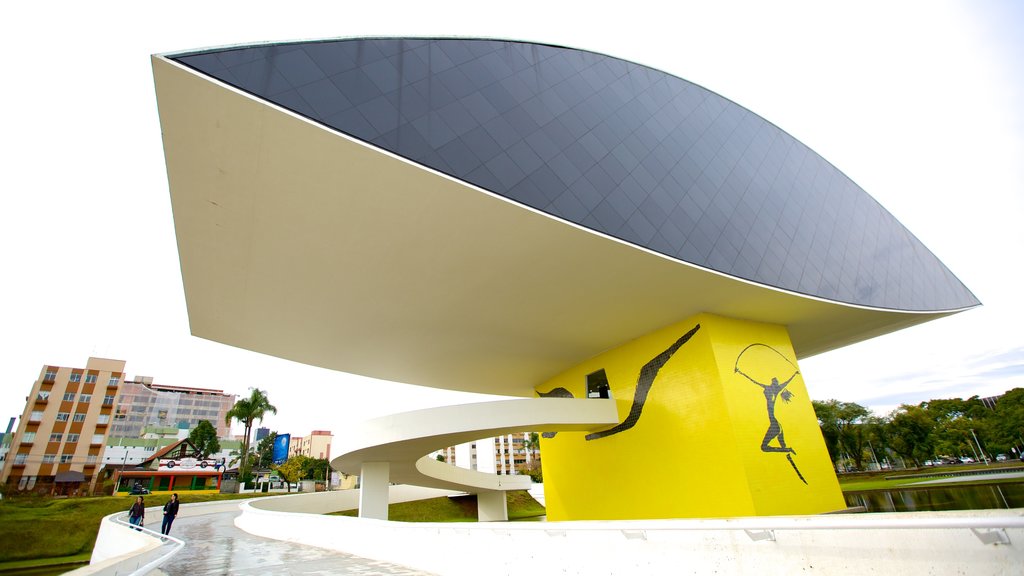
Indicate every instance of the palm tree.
{"type": "Point", "coordinates": [247, 411]}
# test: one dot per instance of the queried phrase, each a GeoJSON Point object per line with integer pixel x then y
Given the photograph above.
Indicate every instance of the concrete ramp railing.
{"type": "Point", "coordinates": [978, 542]}
{"type": "Point", "coordinates": [403, 439]}
{"type": "Point", "coordinates": [125, 550]}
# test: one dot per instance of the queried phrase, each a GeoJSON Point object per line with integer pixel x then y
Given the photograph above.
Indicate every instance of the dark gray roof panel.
{"type": "Point", "coordinates": [617, 147]}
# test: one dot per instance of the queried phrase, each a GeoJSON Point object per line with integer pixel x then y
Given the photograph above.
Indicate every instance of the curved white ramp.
{"type": "Point", "coordinates": [396, 448]}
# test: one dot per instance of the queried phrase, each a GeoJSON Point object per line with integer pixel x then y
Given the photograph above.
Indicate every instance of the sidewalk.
{"type": "Point", "coordinates": [214, 546]}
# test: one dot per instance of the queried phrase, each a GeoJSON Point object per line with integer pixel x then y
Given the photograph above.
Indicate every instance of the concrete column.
{"type": "Point", "coordinates": [373, 496]}
{"type": "Point", "coordinates": [491, 506]}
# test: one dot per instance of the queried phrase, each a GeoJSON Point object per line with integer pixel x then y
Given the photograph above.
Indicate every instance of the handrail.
{"type": "Point", "coordinates": [176, 544]}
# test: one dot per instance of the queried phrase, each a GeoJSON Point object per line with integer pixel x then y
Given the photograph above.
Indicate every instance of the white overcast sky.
{"type": "Point", "coordinates": [921, 103]}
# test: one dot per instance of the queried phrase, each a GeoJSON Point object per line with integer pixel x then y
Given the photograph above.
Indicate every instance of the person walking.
{"type": "Point", "coordinates": [170, 512]}
{"type": "Point", "coordinates": [137, 513]}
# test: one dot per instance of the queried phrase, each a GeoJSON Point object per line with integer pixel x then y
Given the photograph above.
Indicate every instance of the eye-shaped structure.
{"type": "Point", "coordinates": [528, 206]}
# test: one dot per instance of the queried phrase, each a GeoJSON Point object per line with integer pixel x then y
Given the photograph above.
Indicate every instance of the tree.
{"type": "Point", "coordinates": [265, 452]}
{"type": "Point", "coordinates": [204, 438]}
{"type": "Point", "coordinates": [247, 411]}
{"type": "Point", "coordinates": [293, 468]}
{"type": "Point", "coordinates": [841, 427]}
{"type": "Point", "coordinates": [910, 430]}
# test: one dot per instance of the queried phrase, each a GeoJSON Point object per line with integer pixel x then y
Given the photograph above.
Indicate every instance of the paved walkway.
{"type": "Point", "coordinates": [213, 545]}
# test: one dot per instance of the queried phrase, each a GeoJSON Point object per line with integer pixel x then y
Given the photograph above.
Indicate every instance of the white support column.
{"type": "Point", "coordinates": [373, 496]}
{"type": "Point", "coordinates": [491, 506]}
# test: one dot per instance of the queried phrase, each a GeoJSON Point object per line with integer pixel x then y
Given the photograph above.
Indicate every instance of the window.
{"type": "Point", "coordinates": [79, 417]}
{"type": "Point", "coordinates": [90, 378]}
{"type": "Point", "coordinates": [49, 458]}
{"type": "Point", "coordinates": [73, 437]}
{"type": "Point", "coordinates": [50, 375]}
{"type": "Point", "coordinates": [114, 380]}
{"type": "Point", "coordinates": [86, 398]}
{"type": "Point", "coordinates": [65, 458]}
{"type": "Point", "coordinates": [35, 416]}
{"type": "Point", "coordinates": [597, 385]}
{"type": "Point", "coordinates": [43, 395]}
{"type": "Point", "coordinates": [69, 397]}
{"type": "Point", "coordinates": [28, 437]}
{"type": "Point", "coordinates": [56, 437]}
{"type": "Point", "coordinates": [20, 458]}
{"type": "Point", "coordinates": [90, 459]}
{"type": "Point", "coordinates": [63, 416]}
{"type": "Point", "coordinates": [97, 438]}
{"type": "Point", "coordinates": [108, 400]}
{"type": "Point", "coordinates": [103, 419]}
{"type": "Point", "coordinates": [75, 377]}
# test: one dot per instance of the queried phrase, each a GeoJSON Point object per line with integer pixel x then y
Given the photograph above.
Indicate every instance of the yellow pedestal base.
{"type": "Point", "coordinates": [715, 422]}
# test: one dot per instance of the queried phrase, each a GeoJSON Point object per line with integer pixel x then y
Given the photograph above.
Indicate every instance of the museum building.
{"type": "Point", "coordinates": [545, 222]}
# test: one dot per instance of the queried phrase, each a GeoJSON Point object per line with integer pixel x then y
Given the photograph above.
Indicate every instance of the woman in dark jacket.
{"type": "Point", "coordinates": [137, 513]}
{"type": "Point", "coordinates": [170, 511]}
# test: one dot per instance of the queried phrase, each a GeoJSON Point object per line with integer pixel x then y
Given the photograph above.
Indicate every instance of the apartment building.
{"type": "Point", "coordinates": [508, 454]}
{"type": "Point", "coordinates": [316, 445]}
{"type": "Point", "coordinates": [60, 437]}
{"type": "Point", "coordinates": [144, 403]}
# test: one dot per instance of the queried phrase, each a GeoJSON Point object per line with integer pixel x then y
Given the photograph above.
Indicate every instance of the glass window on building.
{"type": "Point", "coordinates": [56, 437]}
{"type": "Point", "coordinates": [43, 395]}
{"type": "Point", "coordinates": [73, 438]}
{"type": "Point", "coordinates": [90, 459]}
{"type": "Point", "coordinates": [28, 437]}
{"type": "Point", "coordinates": [20, 458]}
{"type": "Point", "coordinates": [114, 381]}
{"type": "Point", "coordinates": [79, 417]}
{"type": "Point", "coordinates": [108, 400]}
{"type": "Point", "coordinates": [35, 416]}
{"type": "Point", "coordinates": [90, 378]}
{"type": "Point", "coordinates": [103, 419]}
{"type": "Point", "coordinates": [49, 458]}
{"type": "Point", "coordinates": [69, 396]}
{"type": "Point", "coordinates": [65, 458]}
{"type": "Point", "coordinates": [85, 398]}
{"type": "Point", "coordinates": [75, 377]}
{"type": "Point", "coordinates": [63, 416]}
{"type": "Point", "coordinates": [97, 438]}
{"type": "Point", "coordinates": [50, 375]}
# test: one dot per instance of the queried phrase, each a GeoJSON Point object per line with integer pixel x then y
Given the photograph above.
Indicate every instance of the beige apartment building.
{"type": "Point", "coordinates": [143, 403]}
{"type": "Point", "coordinates": [316, 445]}
{"type": "Point", "coordinates": [63, 429]}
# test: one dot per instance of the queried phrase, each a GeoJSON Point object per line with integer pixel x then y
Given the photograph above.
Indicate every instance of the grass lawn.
{"type": "Point", "coordinates": [456, 509]}
{"type": "Point", "coordinates": [34, 528]}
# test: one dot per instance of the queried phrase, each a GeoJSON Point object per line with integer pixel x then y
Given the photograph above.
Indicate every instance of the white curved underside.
{"type": "Point", "coordinates": [405, 440]}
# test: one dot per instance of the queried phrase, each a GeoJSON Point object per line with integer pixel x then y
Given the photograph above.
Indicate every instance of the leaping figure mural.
{"type": "Point", "coordinates": [768, 366]}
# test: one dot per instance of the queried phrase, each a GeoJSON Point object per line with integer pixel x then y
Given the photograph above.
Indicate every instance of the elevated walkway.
{"type": "Point", "coordinates": [395, 448]}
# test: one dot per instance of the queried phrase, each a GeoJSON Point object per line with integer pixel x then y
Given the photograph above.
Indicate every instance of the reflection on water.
{"type": "Point", "coordinates": [1009, 495]}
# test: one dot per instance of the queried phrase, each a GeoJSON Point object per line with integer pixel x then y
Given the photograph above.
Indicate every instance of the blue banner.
{"type": "Point", "coordinates": [281, 443]}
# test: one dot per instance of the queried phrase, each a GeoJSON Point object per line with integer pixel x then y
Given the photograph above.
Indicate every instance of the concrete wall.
{"type": "Point", "coordinates": [855, 544]}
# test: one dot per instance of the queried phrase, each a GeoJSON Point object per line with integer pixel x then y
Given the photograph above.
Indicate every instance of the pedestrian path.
{"type": "Point", "coordinates": [213, 545]}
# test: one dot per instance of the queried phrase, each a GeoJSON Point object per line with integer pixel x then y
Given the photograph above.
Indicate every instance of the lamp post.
{"type": "Point", "coordinates": [979, 447]}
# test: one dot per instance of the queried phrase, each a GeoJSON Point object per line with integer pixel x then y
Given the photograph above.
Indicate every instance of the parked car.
{"type": "Point", "coordinates": [1000, 457]}
{"type": "Point", "coordinates": [966, 460]}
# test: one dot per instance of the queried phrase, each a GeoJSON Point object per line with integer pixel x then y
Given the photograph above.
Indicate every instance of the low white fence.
{"type": "Point", "coordinates": [975, 542]}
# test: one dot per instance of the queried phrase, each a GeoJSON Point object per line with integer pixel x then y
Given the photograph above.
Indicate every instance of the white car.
{"type": "Point", "coordinates": [966, 460]}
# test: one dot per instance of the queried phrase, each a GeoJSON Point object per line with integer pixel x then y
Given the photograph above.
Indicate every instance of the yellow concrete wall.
{"type": "Point", "coordinates": [695, 450]}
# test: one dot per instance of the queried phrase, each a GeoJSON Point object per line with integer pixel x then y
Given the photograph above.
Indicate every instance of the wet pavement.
{"type": "Point", "coordinates": [213, 545]}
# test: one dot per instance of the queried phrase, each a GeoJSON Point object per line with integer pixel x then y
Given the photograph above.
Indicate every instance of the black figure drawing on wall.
{"type": "Point", "coordinates": [644, 382]}
{"type": "Point", "coordinates": [767, 365]}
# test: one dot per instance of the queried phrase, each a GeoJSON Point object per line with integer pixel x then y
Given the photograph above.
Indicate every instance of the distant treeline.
{"type": "Point", "coordinates": [922, 432]}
